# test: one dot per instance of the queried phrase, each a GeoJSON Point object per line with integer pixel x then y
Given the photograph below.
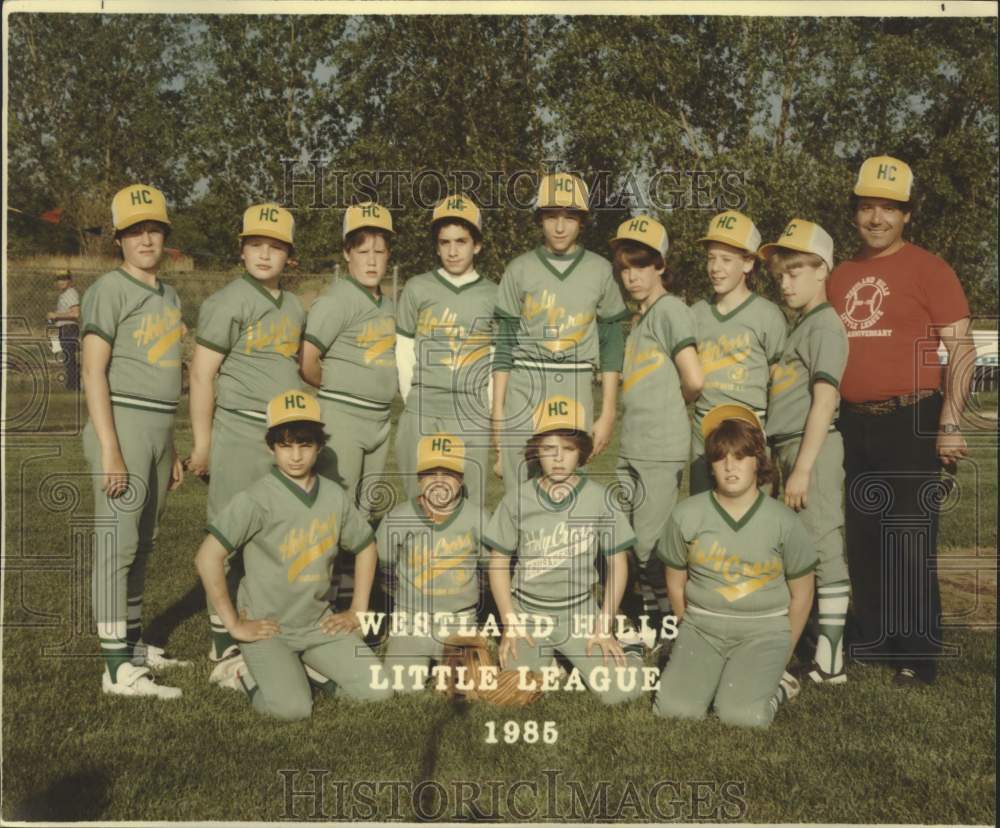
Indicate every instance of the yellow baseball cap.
{"type": "Point", "coordinates": [270, 220]}
{"type": "Point", "coordinates": [645, 230]}
{"type": "Point", "coordinates": [560, 412]}
{"type": "Point", "coordinates": [806, 237]}
{"type": "Point", "coordinates": [367, 214]}
{"type": "Point", "coordinates": [293, 406]}
{"type": "Point", "coordinates": [564, 190]}
{"type": "Point", "coordinates": [458, 206]}
{"type": "Point", "coordinates": [735, 229]}
{"type": "Point", "coordinates": [884, 177]}
{"type": "Point", "coordinates": [135, 203]}
{"type": "Point", "coordinates": [441, 451]}
{"type": "Point", "coordinates": [728, 411]}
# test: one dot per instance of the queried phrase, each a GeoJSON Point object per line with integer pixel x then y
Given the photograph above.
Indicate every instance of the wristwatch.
{"type": "Point", "coordinates": [949, 428]}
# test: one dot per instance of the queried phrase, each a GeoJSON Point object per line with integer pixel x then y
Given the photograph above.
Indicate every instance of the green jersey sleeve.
{"type": "Point", "coordinates": [101, 310]}
{"type": "Point", "coordinates": [238, 522]}
{"type": "Point", "coordinates": [826, 354]}
{"type": "Point", "coordinates": [355, 532]}
{"type": "Point", "coordinates": [501, 532]}
{"type": "Point", "coordinates": [218, 326]}
{"type": "Point", "coordinates": [672, 549]}
{"type": "Point", "coordinates": [676, 329]}
{"type": "Point", "coordinates": [611, 306]}
{"type": "Point", "coordinates": [798, 551]}
{"type": "Point", "coordinates": [325, 321]}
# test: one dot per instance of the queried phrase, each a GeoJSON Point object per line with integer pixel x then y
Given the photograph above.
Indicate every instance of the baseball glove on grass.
{"type": "Point", "coordinates": [473, 653]}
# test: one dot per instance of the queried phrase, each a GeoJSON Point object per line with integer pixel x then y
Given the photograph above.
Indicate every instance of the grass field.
{"type": "Point", "coordinates": [863, 752]}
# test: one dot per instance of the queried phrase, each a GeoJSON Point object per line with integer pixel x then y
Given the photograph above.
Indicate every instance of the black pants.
{"type": "Point", "coordinates": [891, 513]}
{"type": "Point", "coordinates": [69, 340]}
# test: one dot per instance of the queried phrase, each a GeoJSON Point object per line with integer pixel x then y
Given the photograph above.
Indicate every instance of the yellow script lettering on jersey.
{"type": "Point", "coordinates": [379, 341]}
{"type": "Point", "coordinates": [783, 377]}
{"type": "Point", "coordinates": [746, 578]}
{"type": "Point", "coordinates": [724, 352]}
{"type": "Point", "coordinates": [164, 331]}
{"type": "Point", "coordinates": [640, 364]}
{"type": "Point", "coordinates": [303, 546]}
{"type": "Point", "coordinates": [570, 328]}
{"type": "Point", "coordinates": [446, 556]}
{"type": "Point", "coordinates": [282, 337]}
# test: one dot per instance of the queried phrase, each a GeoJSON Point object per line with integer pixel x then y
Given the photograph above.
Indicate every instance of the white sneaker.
{"type": "Point", "coordinates": [156, 658]}
{"type": "Point", "coordinates": [136, 681]}
{"type": "Point", "coordinates": [226, 673]}
{"type": "Point", "coordinates": [315, 676]}
{"type": "Point", "coordinates": [229, 652]}
{"type": "Point", "coordinates": [789, 685]}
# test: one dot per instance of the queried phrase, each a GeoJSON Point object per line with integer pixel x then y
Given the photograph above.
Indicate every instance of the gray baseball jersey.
{"type": "Point", "coordinates": [737, 568]}
{"type": "Point", "coordinates": [816, 351]}
{"type": "Point", "coordinates": [655, 425]}
{"type": "Point", "coordinates": [259, 335]}
{"type": "Point", "coordinates": [557, 543]}
{"type": "Point", "coordinates": [143, 326]}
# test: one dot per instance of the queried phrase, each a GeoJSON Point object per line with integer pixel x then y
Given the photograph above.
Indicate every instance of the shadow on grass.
{"type": "Point", "coordinates": [159, 629]}
{"type": "Point", "coordinates": [78, 796]}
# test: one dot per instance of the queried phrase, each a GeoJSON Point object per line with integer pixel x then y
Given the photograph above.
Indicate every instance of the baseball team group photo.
{"type": "Point", "coordinates": [546, 434]}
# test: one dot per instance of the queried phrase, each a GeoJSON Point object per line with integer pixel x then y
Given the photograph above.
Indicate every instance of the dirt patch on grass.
{"type": "Point", "coordinates": [968, 580]}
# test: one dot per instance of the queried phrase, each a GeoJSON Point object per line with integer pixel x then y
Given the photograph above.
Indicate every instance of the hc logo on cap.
{"type": "Point", "coordinates": [456, 203]}
{"type": "Point", "coordinates": [370, 211]}
{"type": "Point", "coordinates": [639, 225]}
{"type": "Point", "coordinates": [142, 197]}
{"type": "Point", "coordinates": [295, 401]}
{"type": "Point", "coordinates": [442, 444]}
{"type": "Point", "coordinates": [558, 408]}
{"type": "Point", "coordinates": [726, 222]}
{"type": "Point", "coordinates": [268, 214]}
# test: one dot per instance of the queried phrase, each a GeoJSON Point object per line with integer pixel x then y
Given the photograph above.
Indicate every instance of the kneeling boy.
{"type": "Point", "coordinates": [290, 525]}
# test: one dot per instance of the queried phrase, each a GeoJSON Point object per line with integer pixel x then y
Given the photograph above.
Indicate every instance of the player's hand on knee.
{"type": "Point", "coordinates": [340, 622]}
{"type": "Point", "coordinates": [248, 629]}
{"type": "Point", "coordinates": [608, 645]}
{"type": "Point", "coordinates": [508, 645]}
{"type": "Point", "coordinates": [197, 463]}
{"type": "Point", "coordinates": [115, 474]}
{"type": "Point", "coordinates": [951, 447]}
{"type": "Point", "coordinates": [796, 490]}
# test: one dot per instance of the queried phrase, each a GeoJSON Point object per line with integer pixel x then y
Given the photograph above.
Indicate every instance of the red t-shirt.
{"type": "Point", "coordinates": [892, 308]}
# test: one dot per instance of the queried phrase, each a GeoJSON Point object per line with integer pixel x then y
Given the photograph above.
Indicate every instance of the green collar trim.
{"type": "Point", "coordinates": [817, 309]}
{"type": "Point", "coordinates": [722, 317]}
{"type": "Point", "coordinates": [546, 258]}
{"type": "Point", "coordinates": [158, 290]}
{"type": "Point", "coordinates": [456, 288]}
{"type": "Point", "coordinates": [438, 527]}
{"type": "Point", "coordinates": [566, 502]}
{"type": "Point", "coordinates": [263, 291]}
{"type": "Point", "coordinates": [377, 302]}
{"type": "Point", "coordinates": [736, 525]}
{"type": "Point", "coordinates": [307, 498]}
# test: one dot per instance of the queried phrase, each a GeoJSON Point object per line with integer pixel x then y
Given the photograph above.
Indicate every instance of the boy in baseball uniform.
{"type": "Point", "coordinates": [247, 345]}
{"type": "Point", "coordinates": [349, 354]}
{"type": "Point", "coordinates": [557, 524]}
{"type": "Point", "coordinates": [661, 375]}
{"type": "Point", "coordinates": [433, 544]}
{"type": "Point", "coordinates": [802, 408]}
{"type": "Point", "coordinates": [740, 334]}
{"type": "Point", "coordinates": [560, 315]}
{"type": "Point", "coordinates": [132, 333]}
{"type": "Point", "coordinates": [443, 344]}
{"type": "Point", "coordinates": [290, 524]}
{"type": "Point", "coordinates": [740, 578]}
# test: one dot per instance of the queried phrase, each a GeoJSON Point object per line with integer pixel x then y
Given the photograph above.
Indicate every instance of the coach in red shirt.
{"type": "Point", "coordinates": [900, 422]}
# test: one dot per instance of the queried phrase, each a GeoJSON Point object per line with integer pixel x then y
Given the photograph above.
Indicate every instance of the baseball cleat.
{"type": "Point", "coordinates": [907, 678]}
{"type": "Point", "coordinates": [789, 687]}
{"type": "Point", "coordinates": [137, 682]}
{"type": "Point", "coordinates": [631, 640]}
{"type": "Point", "coordinates": [817, 675]}
{"type": "Point", "coordinates": [156, 658]}
{"type": "Point", "coordinates": [229, 652]}
{"type": "Point", "coordinates": [226, 673]}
